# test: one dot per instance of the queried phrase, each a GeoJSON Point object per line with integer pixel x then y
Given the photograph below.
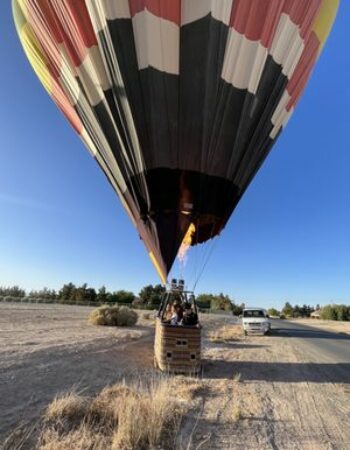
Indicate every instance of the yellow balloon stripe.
{"type": "Point", "coordinates": [31, 46]}
{"type": "Point", "coordinates": [161, 274]}
{"type": "Point", "coordinates": [36, 58]}
{"type": "Point", "coordinates": [324, 20]}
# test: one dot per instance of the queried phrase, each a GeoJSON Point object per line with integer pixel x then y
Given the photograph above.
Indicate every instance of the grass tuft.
{"type": "Point", "coordinates": [67, 407]}
{"type": "Point", "coordinates": [226, 333]}
{"type": "Point", "coordinates": [143, 414]}
{"type": "Point", "coordinates": [80, 439]}
{"type": "Point", "coordinates": [236, 377]}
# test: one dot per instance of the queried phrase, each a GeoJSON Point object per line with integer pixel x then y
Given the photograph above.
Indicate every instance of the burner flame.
{"type": "Point", "coordinates": [186, 244]}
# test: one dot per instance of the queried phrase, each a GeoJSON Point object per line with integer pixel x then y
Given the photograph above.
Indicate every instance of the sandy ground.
{"type": "Point", "coordinates": [257, 392]}
{"type": "Point", "coordinates": [327, 325]}
{"type": "Point", "coordinates": [48, 349]}
{"type": "Point", "coordinates": [280, 401]}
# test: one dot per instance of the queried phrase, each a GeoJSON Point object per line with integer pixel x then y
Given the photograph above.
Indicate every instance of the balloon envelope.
{"type": "Point", "coordinates": [179, 101]}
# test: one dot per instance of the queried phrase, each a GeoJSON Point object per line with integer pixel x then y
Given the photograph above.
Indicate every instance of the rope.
{"type": "Point", "coordinates": [210, 252]}
{"type": "Point", "coordinates": [206, 256]}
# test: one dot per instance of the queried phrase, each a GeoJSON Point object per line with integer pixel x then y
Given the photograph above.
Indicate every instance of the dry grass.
{"type": "Point", "coordinates": [236, 377]}
{"type": "Point", "coordinates": [328, 325]}
{"type": "Point", "coordinates": [235, 413]}
{"type": "Point", "coordinates": [82, 438]}
{"type": "Point", "coordinates": [70, 406]}
{"type": "Point", "coordinates": [146, 316]}
{"type": "Point", "coordinates": [143, 414]}
{"type": "Point", "coordinates": [113, 316]}
{"type": "Point", "coordinates": [226, 333]}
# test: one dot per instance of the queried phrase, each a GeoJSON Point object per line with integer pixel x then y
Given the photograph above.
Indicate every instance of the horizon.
{"type": "Point", "coordinates": [136, 294]}
{"type": "Point", "coordinates": [288, 239]}
{"type": "Point", "coordinates": [236, 302]}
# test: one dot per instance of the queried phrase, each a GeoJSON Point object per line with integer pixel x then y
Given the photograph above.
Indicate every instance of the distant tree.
{"type": "Point", "coordinates": [45, 293]}
{"type": "Point", "coordinates": [237, 310]}
{"type": "Point", "coordinates": [67, 292]}
{"type": "Point", "coordinates": [216, 302]}
{"type": "Point", "coordinates": [306, 310]}
{"type": "Point", "coordinates": [288, 309]}
{"type": "Point", "coordinates": [102, 295]}
{"type": "Point", "coordinates": [204, 300]}
{"type": "Point", "coordinates": [342, 312]}
{"type": "Point", "coordinates": [296, 311]}
{"type": "Point", "coordinates": [273, 312]}
{"type": "Point", "coordinates": [329, 312]}
{"type": "Point", "coordinates": [90, 295]}
{"type": "Point", "coordinates": [152, 295]}
{"type": "Point", "coordinates": [84, 294]}
{"type": "Point", "coordinates": [221, 302]}
{"type": "Point", "coordinates": [122, 297]}
{"type": "Point", "coordinates": [12, 291]}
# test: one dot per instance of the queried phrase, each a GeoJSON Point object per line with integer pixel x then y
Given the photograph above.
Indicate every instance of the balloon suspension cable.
{"type": "Point", "coordinates": [206, 257]}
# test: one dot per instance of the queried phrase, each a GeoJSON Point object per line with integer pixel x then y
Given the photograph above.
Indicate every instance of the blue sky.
{"type": "Point", "coordinates": [289, 238]}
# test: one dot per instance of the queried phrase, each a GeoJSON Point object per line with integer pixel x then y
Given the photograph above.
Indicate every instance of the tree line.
{"type": "Point", "coordinates": [149, 297]}
{"type": "Point", "coordinates": [327, 312]}
{"type": "Point", "coordinates": [70, 293]}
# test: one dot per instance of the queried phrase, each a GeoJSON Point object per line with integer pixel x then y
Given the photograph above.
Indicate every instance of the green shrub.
{"type": "Point", "coordinates": [342, 312]}
{"type": "Point", "coordinates": [328, 312]}
{"type": "Point", "coordinates": [11, 299]}
{"type": "Point", "coordinates": [335, 312]}
{"type": "Point", "coordinates": [113, 316]}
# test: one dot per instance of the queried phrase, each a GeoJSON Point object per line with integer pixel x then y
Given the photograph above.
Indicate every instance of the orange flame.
{"type": "Point", "coordinates": [186, 243]}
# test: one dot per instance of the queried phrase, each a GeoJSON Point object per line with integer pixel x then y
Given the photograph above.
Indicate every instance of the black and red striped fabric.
{"type": "Point", "coordinates": [179, 101]}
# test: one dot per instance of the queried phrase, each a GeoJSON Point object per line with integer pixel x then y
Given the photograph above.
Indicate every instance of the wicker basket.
{"type": "Point", "coordinates": [177, 348]}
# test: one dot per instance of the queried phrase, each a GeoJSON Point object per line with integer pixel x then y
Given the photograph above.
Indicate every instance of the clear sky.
{"type": "Point", "coordinates": [289, 238]}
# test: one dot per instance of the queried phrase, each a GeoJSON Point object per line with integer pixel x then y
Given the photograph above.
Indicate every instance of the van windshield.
{"type": "Point", "coordinates": [254, 313]}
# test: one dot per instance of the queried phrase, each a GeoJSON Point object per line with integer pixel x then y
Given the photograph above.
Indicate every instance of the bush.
{"type": "Point", "coordinates": [113, 316]}
{"type": "Point", "coordinates": [10, 299]}
{"type": "Point", "coordinates": [126, 317]}
{"type": "Point", "coordinates": [335, 312]}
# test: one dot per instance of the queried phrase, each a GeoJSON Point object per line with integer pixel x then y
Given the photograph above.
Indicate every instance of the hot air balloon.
{"type": "Point", "coordinates": [179, 101]}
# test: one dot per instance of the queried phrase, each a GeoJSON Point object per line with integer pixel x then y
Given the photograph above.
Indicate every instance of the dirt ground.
{"type": "Point", "coordinates": [257, 392]}
{"type": "Point", "coordinates": [327, 325]}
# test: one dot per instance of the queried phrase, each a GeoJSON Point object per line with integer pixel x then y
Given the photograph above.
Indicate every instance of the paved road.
{"type": "Point", "coordinates": [324, 346]}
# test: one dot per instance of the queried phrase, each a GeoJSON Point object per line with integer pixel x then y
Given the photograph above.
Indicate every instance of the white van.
{"type": "Point", "coordinates": [255, 320]}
